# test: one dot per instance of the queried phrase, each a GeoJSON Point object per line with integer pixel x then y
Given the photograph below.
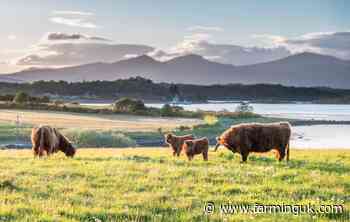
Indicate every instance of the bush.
{"type": "Point", "coordinates": [58, 102]}
{"type": "Point", "coordinates": [168, 110]}
{"type": "Point", "coordinates": [183, 128]}
{"type": "Point", "coordinates": [21, 97]}
{"type": "Point", "coordinates": [210, 119]}
{"type": "Point", "coordinates": [92, 138]}
{"type": "Point", "coordinates": [129, 105]}
{"type": "Point", "coordinates": [244, 107]}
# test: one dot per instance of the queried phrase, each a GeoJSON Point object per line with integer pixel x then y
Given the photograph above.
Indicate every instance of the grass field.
{"type": "Point", "coordinates": [128, 123]}
{"type": "Point", "coordinates": [151, 185]}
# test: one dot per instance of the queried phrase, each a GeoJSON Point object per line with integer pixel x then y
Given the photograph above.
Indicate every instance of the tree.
{"type": "Point", "coordinates": [174, 90]}
{"type": "Point", "coordinates": [128, 105]}
{"type": "Point", "coordinates": [244, 107]}
{"type": "Point", "coordinates": [166, 110]}
{"type": "Point", "coordinates": [21, 97]}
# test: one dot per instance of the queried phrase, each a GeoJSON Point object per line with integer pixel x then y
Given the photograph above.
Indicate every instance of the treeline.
{"type": "Point", "coordinates": [145, 89]}
{"type": "Point", "coordinates": [22, 97]}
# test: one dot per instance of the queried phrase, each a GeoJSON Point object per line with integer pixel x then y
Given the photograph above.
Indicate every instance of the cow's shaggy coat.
{"type": "Point", "coordinates": [257, 137]}
{"type": "Point", "coordinates": [176, 142]}
{"type": "Point", "coordinates": [197, 146]}
{"type": "Point", "coordinates": [46, 139]}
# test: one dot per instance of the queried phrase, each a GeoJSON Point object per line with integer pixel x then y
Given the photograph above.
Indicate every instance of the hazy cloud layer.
{"type": "Point", "coordinates": [73, 19]}
{"type": "Point", "coordinates": [58, 36]}
{"type": "Point", "coordinates": [199, 28]}
{"type": "Point", "coordinates": [80, 13]}
{"type": "Point", "coordinates": [201, 44]}
{"type": "Point", "coordinates": [62, 49]}
{"type": "Point", "coordinates": [66, 54]}
{"type": "Point", "coordinates": [74, 22]}
{"type": "Point", "coordinates": [329, 43]}
{"type": "Point", "coordinates": [11, 37]}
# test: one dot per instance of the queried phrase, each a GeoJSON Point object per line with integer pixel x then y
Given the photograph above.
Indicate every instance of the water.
{"type": "Point", "coordinates": [306, 137]}
{"type": "Point", "coordinates": [319, 136]}
{"type": "Point", "coordinates": [296, 111]}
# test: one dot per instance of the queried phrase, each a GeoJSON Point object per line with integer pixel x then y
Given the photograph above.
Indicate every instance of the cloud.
{"type": "Point", "coordinates": [73, 18]}
{"type": "Point", "coordinates": [200, 28]}
{"type": "Point", "coordinates": [80, 13]}
{"type": "Point", "coordinates": [68, 54]}
{"type": "Point", "coordinates": [58, 36]}
{"type": "Point", "coordinates": [11, 37]}
{"type": "Point", "coordinates": [202, 44]}
{"type": "Point", "coordinates": [74, 22]}
{"type": "Point", "coordinates": [329, 43]}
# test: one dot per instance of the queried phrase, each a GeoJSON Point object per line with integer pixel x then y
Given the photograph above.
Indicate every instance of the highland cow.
{"type": "Point", "coordinates": [176, 142]}
{"type": "Point", "coordinates": [197, 146]}
{"type": "Point", "coordinates": [255, 137]}
{"type": "Point", "coordinates": [46, 139]}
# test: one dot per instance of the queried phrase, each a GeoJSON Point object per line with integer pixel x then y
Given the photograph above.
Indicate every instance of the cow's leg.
{"type": "Point", "coordinates": [35, 150]}
{"type": "Point", "coordinates": [244, 156]}
{"type": "Point", "coordinates": [178, 152]}
{"type": "Point", "coordinates": [205, 155]}
{"type": "Point", "coordinates": [281, 153]}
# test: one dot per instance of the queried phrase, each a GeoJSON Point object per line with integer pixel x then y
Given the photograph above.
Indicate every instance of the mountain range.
{"type": "Point", "coordinates": [304, 69]}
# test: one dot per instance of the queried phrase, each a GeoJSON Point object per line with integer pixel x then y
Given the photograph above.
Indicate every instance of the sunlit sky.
{"type": "Point", "coordinates": [169, 26]}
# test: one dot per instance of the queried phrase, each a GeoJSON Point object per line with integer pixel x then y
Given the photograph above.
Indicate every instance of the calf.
{"type": "Point", "coordinates": [176, 142]}
{"type": "Point", "coordinates": [197, 146]}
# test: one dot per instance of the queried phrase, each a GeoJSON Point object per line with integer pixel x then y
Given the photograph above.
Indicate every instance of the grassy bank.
{"type": "Point", "coordinates": [117, 131]}
{"type": "Point", "coordinates": [150, 185]}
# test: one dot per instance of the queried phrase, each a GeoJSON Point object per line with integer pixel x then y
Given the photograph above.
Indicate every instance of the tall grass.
{"type": "Point", "coordinates": [150, 185]}
{"type": "Point", "coordinates": [8, 132]}
{"type": "Point", "coordinates": [96, 138]}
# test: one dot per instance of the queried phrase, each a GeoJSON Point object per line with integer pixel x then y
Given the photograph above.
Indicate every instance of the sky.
{"type": "Point", "coordinates": [62, 33]}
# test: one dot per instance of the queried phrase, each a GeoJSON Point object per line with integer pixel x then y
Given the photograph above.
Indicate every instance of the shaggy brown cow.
{"type": "Point", "coordinates": [48, 139]}
{"type": "Point", "coordinates": [176, 142]}
{"type": "Point", "coordinates": [194, 147]}
{"type": "Point", "coordinates": [256, 137]}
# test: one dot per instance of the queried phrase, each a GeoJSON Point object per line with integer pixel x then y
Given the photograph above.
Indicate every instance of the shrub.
{"type": "Point", "coordinates": [129, 105]}
{"type": "Point", "coordinates": [21, 97]}
{"type": "Point", "coordinates": [58, 102]}
{"type": "Point", "coordinates": [183, 128]}
{"type": "Point", "coordinates": [92, 138]}
{"type": "Point", "coordinates": [210, 119]}
{"type": "Point", "coordinates": [168, 110]}
{"type": "Point", "coordinates": [244, 107]}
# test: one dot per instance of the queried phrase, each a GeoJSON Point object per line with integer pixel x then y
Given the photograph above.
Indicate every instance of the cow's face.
{"type": "Point", "coordinates": [168, 138]}
{"type": "Point", "coordinates": [70, 150]}
{"type": "Point", "coordinates": [231, 144]}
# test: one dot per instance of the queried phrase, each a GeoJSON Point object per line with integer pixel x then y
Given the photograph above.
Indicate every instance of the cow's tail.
{"type": "Point", "coordinates": [287, 150]}
{"type": "Point", "coordinates": [42, 141]}
{"type": "Point", "coordinates": [217, 144]}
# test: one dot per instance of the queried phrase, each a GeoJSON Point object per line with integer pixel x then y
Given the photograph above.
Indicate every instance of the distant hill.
{"type": "Point", "coordinates": [305, 69]}
{"type": "Point", "coordinates": [145, 89]}
{"type": "Point", "coordinates": [9, 79]}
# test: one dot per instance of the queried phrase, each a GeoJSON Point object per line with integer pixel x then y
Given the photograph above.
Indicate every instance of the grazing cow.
{"type": "Point", "coordinates": [48, 139]}
{"type": "Point", "coordinates": [176, 142]}
{"type": "Point", "coordinates": [256, 137]}
{"type": "Point", "coordinates": [197, 146]}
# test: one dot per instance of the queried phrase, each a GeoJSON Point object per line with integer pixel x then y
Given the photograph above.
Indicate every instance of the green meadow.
{"type": "Point", "coordinates": [149, 184]}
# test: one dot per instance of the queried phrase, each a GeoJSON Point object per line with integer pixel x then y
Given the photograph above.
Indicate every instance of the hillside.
{"type": "Point", "coordinates": [147, 90]}
{"type": "Point", "coordinates": [305, 69]}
